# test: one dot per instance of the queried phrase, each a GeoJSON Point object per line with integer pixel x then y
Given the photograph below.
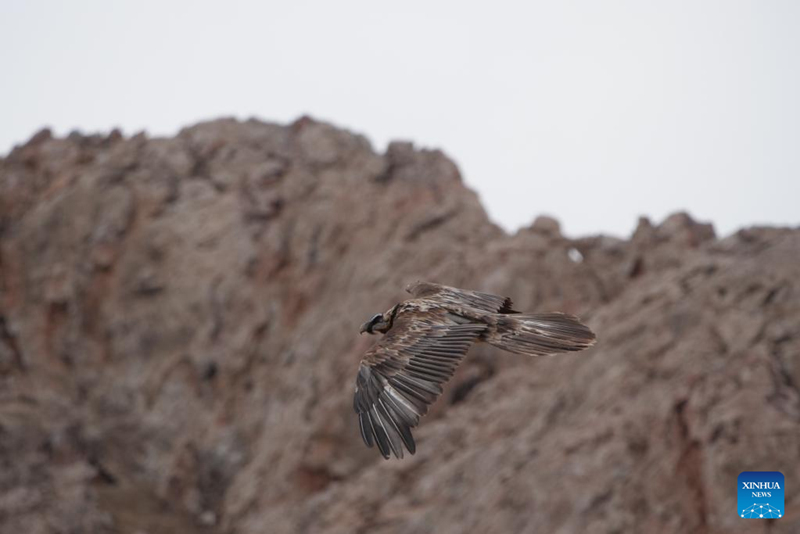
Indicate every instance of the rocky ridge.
{"type": "Point", "coordinates": [178, 343]}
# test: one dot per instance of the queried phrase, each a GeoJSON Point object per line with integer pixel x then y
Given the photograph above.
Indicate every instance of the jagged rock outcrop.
{"type": "Point", "coordinates": [178, 343]}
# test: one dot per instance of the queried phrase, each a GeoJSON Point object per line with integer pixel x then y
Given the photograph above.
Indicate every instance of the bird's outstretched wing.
{"type": "Point", "coordinates": [402, 374]}
{"type": "Point", "coordinates": [461, 297]}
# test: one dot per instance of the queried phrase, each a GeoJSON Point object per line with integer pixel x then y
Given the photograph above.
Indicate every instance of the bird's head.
{"type": "Point", "coordinates": [378, 323]}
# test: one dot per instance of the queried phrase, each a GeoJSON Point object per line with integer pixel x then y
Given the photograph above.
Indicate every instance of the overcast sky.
{"type": "Point", "coordinates": [593, 112]}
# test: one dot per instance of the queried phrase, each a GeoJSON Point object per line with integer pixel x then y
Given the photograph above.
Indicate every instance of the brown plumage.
{"type": "Point", "coordinates": [426, 338]}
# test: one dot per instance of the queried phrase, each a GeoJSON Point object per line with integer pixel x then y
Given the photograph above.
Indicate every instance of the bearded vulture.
{"type": "Point", "coordinates": [425, 339]}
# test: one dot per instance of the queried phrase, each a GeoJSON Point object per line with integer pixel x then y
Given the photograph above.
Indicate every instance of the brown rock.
{"type": "Point", "coordinates": [546, 225]}
{"type": "Point", "coordinates": [178, 345]}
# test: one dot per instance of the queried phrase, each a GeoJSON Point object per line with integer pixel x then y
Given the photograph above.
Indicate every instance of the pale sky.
{"type": "Point", "coordinates": [593, 112]}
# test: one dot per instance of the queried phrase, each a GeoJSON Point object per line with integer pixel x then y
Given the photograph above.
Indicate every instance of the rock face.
{"type": "Point", "coordinates": [179, 339]}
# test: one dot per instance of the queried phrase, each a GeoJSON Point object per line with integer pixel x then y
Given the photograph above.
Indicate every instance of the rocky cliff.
{"type": "Point", "coordinates": [179, 339]}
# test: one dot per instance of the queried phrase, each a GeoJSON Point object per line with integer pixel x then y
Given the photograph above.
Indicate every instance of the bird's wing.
{"type": "Point", "coordinates": [461, 297]}
{"type": "Point", "coordinates": [402, 374]}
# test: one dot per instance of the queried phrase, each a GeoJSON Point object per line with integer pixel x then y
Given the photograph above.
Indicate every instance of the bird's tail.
{"type": "Point", "coordinates": [538, 334]}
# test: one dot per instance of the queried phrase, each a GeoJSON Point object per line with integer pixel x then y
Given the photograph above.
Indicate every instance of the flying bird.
{"type": "Point", "coordinates": [426, 337]}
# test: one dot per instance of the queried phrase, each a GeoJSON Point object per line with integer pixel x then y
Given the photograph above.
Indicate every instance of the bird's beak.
{"type": "Point", "coordinates": [363, 328]}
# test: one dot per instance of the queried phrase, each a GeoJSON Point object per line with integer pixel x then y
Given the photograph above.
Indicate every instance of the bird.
{"type": "Point", "coordinates": [424, 340]}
